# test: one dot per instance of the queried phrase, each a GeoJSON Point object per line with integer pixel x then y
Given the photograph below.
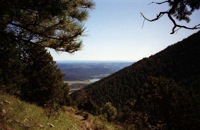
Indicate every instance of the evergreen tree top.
{"type": "Point", "coordinates": [56, 24]}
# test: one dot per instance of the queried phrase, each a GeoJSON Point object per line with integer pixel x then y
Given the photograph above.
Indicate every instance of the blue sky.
{"type": "Point", "coordinates": [114, 32]}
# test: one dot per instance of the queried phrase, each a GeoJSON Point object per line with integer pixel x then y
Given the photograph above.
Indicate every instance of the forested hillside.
{"type": "Point", "coordinates": [162, 91]}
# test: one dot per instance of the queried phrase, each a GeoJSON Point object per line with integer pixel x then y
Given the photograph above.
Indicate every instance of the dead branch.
{"type": "Point", "coordinates": [159, 3]}
{"type": "Point", "coordinates": [169, 13]}
{"type": "Point", "coordinates": [157, 17]}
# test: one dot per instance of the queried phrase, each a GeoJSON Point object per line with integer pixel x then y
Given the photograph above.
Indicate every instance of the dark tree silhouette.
{"type": "Point", "coordinates": [44, 81]}
{"type": "Point", "coordinates": [178, 10]}
{"type": "Point", "coordinates": [27, 27]}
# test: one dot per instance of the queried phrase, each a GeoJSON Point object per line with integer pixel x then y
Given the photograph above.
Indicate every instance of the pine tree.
{"type": "Point", "coordinates": [27, 27]}
{"type": "Point", "coordinates": [11, 68]}
{"type": "Point", "coordinates": [44, 81]}
{"type": "Point", "coordinates": [56, 24]}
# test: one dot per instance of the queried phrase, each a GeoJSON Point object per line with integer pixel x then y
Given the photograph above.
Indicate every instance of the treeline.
{"type": "Point", "coordinates": [28, 71]}
{"type": "Point", "coordinates": [159, 92]}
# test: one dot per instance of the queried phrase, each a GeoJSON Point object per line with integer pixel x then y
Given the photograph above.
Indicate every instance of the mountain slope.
{"type": "Point", "coordinates": [180, 61]}
{"type": "Point", "coordinates": [160, 92]}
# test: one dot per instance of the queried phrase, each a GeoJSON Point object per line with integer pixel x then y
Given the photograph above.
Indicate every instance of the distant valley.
{"type": "Point", "coordinates": [160, 92]}
{"type": "Point", "coordinates": [81, 73]}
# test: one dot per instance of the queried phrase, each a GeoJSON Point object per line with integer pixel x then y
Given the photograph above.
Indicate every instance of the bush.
{"type": "Point", "coordinates": [109, 111]}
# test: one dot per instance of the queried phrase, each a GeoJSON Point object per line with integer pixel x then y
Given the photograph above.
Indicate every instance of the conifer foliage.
{"type": "Point", "coordinates": [27, 70]}
{"type": "Point", "coordinates": [44, 81]}
{"type": "Point", "coordinates": [11, 67]}
{"type": "Point", "coordinates": [27, 28]}
{"type": "Point", "coordinates": [57, 24]}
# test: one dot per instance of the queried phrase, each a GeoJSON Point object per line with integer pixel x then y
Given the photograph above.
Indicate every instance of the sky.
{"type": "Point", "coordinates": [115, 32]}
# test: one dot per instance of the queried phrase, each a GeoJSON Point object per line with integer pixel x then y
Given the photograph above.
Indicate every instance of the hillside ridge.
{"type": "Point", "coordinates": [159, 63]}
{"type": "Point", "coordinates": [170, 78]}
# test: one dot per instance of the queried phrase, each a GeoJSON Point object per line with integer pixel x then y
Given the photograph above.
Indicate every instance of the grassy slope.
{"type": "Point", "coordinates": [19, 115]}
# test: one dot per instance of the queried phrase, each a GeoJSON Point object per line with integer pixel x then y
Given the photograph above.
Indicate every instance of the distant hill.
{"type": "Point", "coordinates": [164, 87]}
{"type": "Point", "coordinates": [86, 70]}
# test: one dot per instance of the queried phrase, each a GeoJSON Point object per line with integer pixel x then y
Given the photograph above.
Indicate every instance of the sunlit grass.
{"type": "Point", "coordinates": [22, 116]}
{"type": "Point", "coordinates": [19, 115]}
